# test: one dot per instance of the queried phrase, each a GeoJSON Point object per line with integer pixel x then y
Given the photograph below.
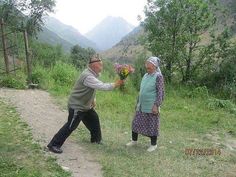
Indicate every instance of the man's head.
{"type": "Point", "coordinates": [95, 63]}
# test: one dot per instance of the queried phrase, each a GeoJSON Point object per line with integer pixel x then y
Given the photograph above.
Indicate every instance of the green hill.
{"type": "Point", "coordinates": [50, 37]}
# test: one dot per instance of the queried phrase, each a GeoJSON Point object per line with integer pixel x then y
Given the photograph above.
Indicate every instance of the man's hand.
{"type": "Point", "coordinates": [93, 105]}
{"type": "Point", "coordinates": [118, 83]}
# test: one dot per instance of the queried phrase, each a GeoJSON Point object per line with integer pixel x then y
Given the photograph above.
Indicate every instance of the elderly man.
{"type": "Point", "coordinates": [146, 119]}
{"type": "Point", "coordinates": [81, 105]}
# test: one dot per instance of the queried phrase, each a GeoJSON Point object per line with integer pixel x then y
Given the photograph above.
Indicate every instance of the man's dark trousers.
{"type": "Point", "coordinates": [89, 118]}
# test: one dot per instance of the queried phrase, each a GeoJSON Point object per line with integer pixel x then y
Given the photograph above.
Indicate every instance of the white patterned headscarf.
{"type": "Point", "coordinates": [156, 62]}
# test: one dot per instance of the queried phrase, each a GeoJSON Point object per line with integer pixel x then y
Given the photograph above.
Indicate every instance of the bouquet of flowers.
{"type": "Point", "coordinates": [123, 71]}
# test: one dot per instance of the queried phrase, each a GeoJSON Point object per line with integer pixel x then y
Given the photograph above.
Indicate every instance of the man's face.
{"type": "Point", "coordinates": [98, 66]}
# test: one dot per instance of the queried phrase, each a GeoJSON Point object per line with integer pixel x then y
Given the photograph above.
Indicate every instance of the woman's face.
{"type": "Point", "coordinates": [150, 67]}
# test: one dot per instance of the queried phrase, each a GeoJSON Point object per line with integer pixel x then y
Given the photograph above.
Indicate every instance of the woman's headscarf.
{"type": "Point", "coordinates": [156, 62]}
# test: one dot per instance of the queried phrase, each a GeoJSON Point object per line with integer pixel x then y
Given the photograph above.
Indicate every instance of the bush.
{"type": "Point", "coordinates": [64, 74]}
{"type": "Point", "coordinates": [224, 104]}
{"type": "Point", "coordinates": [223, 80]}
{"type": "Point", "coordinates": [46, 54]}
{"type": "Point", "coordinates": [41, 77]}
{"type": "Point", "coordinates": [80, 56]}
{"type": "Point", "coordinates": [199, 92]}
{"type": "Point", "coordinates": [17, 81]}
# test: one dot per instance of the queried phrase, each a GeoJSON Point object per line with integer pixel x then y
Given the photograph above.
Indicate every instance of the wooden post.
{"type": "Point", "coordinates": [27, 54]}
{"type": "Point", "coordinates": [4, 47]}
{"type": "Point", "coordinates": [14, 64]}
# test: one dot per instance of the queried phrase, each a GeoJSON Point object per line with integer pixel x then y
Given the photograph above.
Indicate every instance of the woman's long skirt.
{"type": "Point", "coordinates": [146, 123]}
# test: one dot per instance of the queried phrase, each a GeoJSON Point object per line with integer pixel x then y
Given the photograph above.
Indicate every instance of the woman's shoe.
{"type": "Point", "coordinates": [131, 143]}
{"type": "Point", "coordinates": [152, 148]}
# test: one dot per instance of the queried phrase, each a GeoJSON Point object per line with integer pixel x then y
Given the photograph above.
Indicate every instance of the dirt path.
{"type": "Point", "coordinates": [45, 118]}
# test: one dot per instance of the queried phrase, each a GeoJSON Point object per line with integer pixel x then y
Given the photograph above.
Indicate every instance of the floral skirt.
{"type": "Point", "coordinates": [146, 124]}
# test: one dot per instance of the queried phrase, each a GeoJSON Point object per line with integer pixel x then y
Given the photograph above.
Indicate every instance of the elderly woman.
{"type": "Point", "coordinates": [146, 120]}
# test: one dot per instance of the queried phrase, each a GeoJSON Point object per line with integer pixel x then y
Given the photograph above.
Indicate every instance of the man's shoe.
{"type": "Point", "coordinates": [97, 142]}
{"type": "Point", "coordinates": [55, 149]}
{"type": "Point", "coordinates": [131, 143]}
{"type": "Point", "coordinates": [152, 148]}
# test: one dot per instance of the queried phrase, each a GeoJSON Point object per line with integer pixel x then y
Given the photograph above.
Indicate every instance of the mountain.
{"type": "Point", "coordinates": [109, 32]}
{"type": "Point", "coordinates": [68, 33]}
{"type": "Point", "coordinates": [128, 48]}
{"type": "Point", "coordinates": [52, 38]}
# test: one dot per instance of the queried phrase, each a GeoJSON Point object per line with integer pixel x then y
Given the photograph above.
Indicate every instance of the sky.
{"type": "Point", "coordinates": [86, 14]}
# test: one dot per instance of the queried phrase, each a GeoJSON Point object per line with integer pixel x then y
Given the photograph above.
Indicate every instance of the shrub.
{"type": "Point", "coordinates": [46, 54]}
{"type": "Point", "coordinates": [224, 104]}
{"type": "Point", "coordinates": [64, 74]}
{"type": "Point", "coordinates": [41, 77]}
{"type": "Point", "coordinates": [201, 92]}
{"type": "Point", "coordinates": [17, 81]}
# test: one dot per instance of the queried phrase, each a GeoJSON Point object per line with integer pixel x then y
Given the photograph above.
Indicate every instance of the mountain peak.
{"type": "Point", "coordinates": [111, 18]}
{"type": "Point", "coordinates": [109, 31]}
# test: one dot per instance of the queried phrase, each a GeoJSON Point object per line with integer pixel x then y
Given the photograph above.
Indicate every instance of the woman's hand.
{"type": "Point", "coordinates": [155, 109]}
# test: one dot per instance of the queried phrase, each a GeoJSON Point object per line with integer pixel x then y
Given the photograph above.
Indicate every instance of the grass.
{"type": "Point", "coordinates": [185, 123]}
{"type": "Point", "coordinates": [20, 155]}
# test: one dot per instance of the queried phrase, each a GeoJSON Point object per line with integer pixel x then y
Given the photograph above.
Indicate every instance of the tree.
{"type": "Point", "coordinates": [175, 29]}
{"type": "Point", "coordinates": [80, 56]}
{"type": "Point", "coordinates": [46, 54]}
{"type": "Point", "coordinates": [199, 18]}
{"type": "Point", "coordinates": [26, 14]}
{"type": "Point", "coordinates": [164, 28]}
{"type": "Point", "coordinates": [9, 13]}
{"type": "Point", "coordinates": [221, 75]}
